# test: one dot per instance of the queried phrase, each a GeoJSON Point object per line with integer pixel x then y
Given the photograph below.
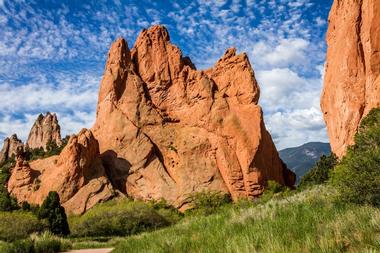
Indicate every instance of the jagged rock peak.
{"type": "Point", "coordinates": [166, 130]}
{"type": "Point", "coordinates": [155, 32]}
{"type": "Point", "coordinates": [352, 79]}
{"type": "Point", "coordinates": [45, 129]}
{"type": "Point", "coordinates": [10, 147]}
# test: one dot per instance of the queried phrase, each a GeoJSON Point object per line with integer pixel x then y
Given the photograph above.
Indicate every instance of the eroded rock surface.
{"type": "Point", "coordinates": [162, 130]}
{"type": "Point", "coordinates": [10, 147]}
{"type": "Point", "coordinates": [166, 130]}
{"type": "Point", "coordinates": [46, 129]}
{"type": "Point", "coordinates": [352, 80]}
{"type": "Point", "coordinates": [77, 174]}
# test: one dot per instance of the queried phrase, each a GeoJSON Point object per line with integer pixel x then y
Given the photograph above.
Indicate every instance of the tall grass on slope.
{"type": "Point", "coordinates": [122, 217]}
{"type": "Point", "coordinates": [309, 221]}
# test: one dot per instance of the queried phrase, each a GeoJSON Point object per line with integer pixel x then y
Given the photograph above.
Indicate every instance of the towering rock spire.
{"type": "Point", "coordinates": [173, 130]}
{"type": "Point", "coordinates": [45, 129]}
{"type": "Point", "coordinates": [352, 80]}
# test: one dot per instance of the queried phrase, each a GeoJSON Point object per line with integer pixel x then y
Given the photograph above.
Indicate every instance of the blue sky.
{"type": "Point", "coordinates": [52, 55]}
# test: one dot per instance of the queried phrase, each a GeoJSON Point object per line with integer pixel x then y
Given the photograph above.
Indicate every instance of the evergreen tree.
{"type": "Point", "coordinates": [52, 210]}
{"type": "Point", "coordinates": [357, 177]}
{"type": "Point", "coordinates": [319, 174]}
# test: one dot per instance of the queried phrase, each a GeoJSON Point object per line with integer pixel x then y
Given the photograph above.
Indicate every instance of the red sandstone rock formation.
{"type": "Point", "coordinates": [166, 130]}
{"type": "Point", "coordinates": [46, 129]}
{"type": "Point", "coordinates": [352, 81]}
{"type": "Point", "coordinates": [10, 146]}
{"type": "Point", "coordinates": [163, 130]}
{"type": "Point", "coordinates": [77, 174]}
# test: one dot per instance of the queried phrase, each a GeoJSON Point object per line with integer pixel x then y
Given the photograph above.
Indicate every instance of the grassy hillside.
{"type": "Point", "coordinates": [301, 159]}
{"type": "Point", "coordinates": [309, 221]}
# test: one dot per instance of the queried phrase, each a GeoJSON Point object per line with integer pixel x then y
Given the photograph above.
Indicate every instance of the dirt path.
{"type": "Point", "coordinates": [106, 250]}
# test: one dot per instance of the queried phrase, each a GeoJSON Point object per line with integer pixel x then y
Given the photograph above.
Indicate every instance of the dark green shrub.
{"type": "Point", "coordinates": [273, 187]}
{"type": "Point", "coordinates": [5, 170]}
{"type": "Point", "coordinates": [22, 246]}
{"type": "Point", "coordinates": [52, 210]}
{"type": "Point", "coordinates": [357, 177]}
{"type": "Point", "coordinates": [206, 203]}
{"type": "Point", "coordinates": [121, 218]}
{"type": "Point", "coordinates": [18, 225]}
{"type": "Point", "coordinates": [7, 202]}
{"type": "Point", "coordinates": [25, 206]}
{"type": "Point", "coordinates": [319, 174]}
{"type": "Point", "coordinates": [169, 212]}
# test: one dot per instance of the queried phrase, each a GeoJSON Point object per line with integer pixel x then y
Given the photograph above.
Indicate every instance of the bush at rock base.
{"type": "Point", "coordinates": [7, 203]}
{"type": "Point", "coordinates": [357, 177]}
{"type": "Point", "coordinates": [206, 203]}
{"type": "Point", "coordinates": [320, 173]}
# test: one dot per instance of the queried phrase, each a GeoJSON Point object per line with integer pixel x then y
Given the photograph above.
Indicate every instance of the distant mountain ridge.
{"type": "Point", "coordinates": [302, 158]}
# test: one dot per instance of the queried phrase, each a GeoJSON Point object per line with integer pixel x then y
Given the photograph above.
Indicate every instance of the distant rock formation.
{"type": "Point", "coordinates": [166, 130]}
{"type": "Point", "coordinates": [163, 131]}
{"type": "Point", "coordinates": [45, 129]}
{"type": "Point", "coordinates": [352, 80]}
{"type": "Point", "coordinates": [77, 174]}
{"type": "Point", "coordinates": [10, 146]}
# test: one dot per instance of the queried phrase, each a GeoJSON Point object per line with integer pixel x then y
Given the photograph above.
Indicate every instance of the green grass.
{"type": "Point", "coordinates": [122, 217]}
{"type": "Point", "coordinates": [18, 225]}
{"type": "Point", "coordinates": [45, 242]}
{"type": "Point", "coordinates": [95, 243]}
{"type": "Point", "coordinates": [309, 221]}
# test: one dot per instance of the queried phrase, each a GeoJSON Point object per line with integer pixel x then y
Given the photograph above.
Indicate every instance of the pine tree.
{"type": "Point", "coordinates": [52, 210]}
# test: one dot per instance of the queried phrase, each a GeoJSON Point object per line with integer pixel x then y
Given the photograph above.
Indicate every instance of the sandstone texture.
{"type": "Point", "coordinates": [10, 147]}
{"type": "Point", "coordinates": [166, 130]}
{"type": "Point", "coordinates": [46, 129]}
{"type": "Point", "coordinates": [163, 130]}
{"type": "Point", "coordinates": [77, 174]}
{"type": "Point", "coordinates": [352, 80]}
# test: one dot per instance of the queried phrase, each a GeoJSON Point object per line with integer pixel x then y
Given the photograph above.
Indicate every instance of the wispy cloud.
{"type": "Point", "coordinates": [52, 54]}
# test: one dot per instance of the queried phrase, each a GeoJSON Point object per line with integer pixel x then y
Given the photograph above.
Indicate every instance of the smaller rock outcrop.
{"type": "Point", "coordinates": [10, 147]}
{"type": "Point", "coordinates": [77, 174]}
{"type": "Point", "coordinates": [45, 130]}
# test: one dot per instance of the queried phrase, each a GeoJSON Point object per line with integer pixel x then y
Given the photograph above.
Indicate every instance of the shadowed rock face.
{"type": "Point", "coordinates": [166, 130]}
{"type": "Point", "coordinates": [46, 129]}
{"type": "Point", "coordinates": [352, 80]}
{"type": "Point", "coordinates": [10, 147]}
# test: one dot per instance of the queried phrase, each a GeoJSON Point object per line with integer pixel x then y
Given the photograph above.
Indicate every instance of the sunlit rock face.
{"type": "Point", "coordinates": [77, 174]}
{"type": "Point", "coordinates": [163, 130]}
{"type": "Point", "coordinates": [166, 130]}
{"type": "Point", "coordinates": [352, 80]}
{"type": "Point", "coordinates": [10, 147]}
{"type": "Point", "coordinates": [45, 130]}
